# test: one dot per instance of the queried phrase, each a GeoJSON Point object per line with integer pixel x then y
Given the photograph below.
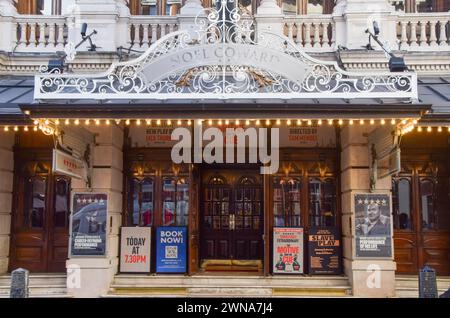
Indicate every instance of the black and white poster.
{"type": "Point", "coordinates": [373, 225]}
{"type": "Point", "coordinates": [88, 224]}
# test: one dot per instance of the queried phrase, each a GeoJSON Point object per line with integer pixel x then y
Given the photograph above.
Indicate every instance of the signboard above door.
{"type": "Point", "coordinates": [67, 164]}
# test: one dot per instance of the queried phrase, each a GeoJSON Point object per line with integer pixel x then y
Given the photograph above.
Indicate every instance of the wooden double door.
{"type": "Point", "coordinates": [421, 205]}
{"type": "Point", "coordinates": [40, 223]}
{"type": "Point", "coordinates": [232, 216]}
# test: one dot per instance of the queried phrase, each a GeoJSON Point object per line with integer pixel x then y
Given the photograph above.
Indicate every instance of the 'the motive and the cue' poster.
{"type": "Point", "coordinates": [373, 225]}
{"type": "Point", "coordinates": [288, 250]}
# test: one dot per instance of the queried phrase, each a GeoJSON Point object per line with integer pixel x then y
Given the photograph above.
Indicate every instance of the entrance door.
{"type": "Point", "coordinates": [422, 217]}
{"type": "Point", "coordinates": [40, 225]}
{"type": "Point", "coordinates": [231, 220]}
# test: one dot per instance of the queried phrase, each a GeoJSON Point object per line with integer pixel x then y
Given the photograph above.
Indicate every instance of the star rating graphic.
{"type": "Point", "coordinates": [366, 201]}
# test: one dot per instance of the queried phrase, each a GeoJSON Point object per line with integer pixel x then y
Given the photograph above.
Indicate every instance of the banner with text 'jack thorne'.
{"type": "Point", "coordinates": [171, 249]}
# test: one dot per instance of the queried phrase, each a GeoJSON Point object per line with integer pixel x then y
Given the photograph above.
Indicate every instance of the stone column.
{"type": "Point", "coordinates": [6, 189]}
{"type": "Point", "coordinates": [97, 274]}
{"type": "Point", "coordinates": [269, 17]}
{"type": "Point", "coordinates": [108, 17]}
{"type": "Point", "coordinates": [355, 178]}
{"type": "Point", "coordinates": [353, 17]}
{"type": "Point", "coordinates": [7, 25]}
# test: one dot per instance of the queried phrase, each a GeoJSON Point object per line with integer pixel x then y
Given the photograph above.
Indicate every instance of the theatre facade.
{"type": "Point", "coordinates": [228, 150]}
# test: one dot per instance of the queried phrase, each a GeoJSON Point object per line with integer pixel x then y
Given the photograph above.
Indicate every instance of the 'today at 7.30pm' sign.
{"type": "Point", "coordinates": [171, 249]}
{"type": "Point", "coordinates": [135, 249]}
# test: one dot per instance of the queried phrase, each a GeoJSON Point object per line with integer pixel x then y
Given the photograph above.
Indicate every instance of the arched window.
{"type": "Point", "coordinates": [142, 209]}
{"type": "Point", "coordinates": [286, 201]}
{"type": "Point", "coordinates": [322, 202]}
{"type": "Point", "coordinates": [217, 204]}
{"type": "Point", "coordinates": [175, 196]}
{"type": "Point", "coordinates": [402, 207]}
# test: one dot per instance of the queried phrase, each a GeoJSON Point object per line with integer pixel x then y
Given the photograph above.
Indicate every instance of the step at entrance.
{"type": "Point", "coordinates": [41, 285]}
{"type": "Point", "coordinates": [228, 286]}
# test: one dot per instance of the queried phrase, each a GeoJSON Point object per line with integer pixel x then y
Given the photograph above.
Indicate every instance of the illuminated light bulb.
{"type": "Point", "coordinates": [299, 122]}
{"type": "Point", "coordinates": [288, 122]}
{"type": "Point", "coordinates": [46, 122]}
{"type": "Point", "coordinates": [319, 122]}
{"type": "Point", "coordinates": [439, 129]}
{"type": "Point", "coordinates": [179, 122]}
{"type": "Point", "coordinates": [158, 122]}
{"type": "Point", "coordinates": [127, 122]}
{"type": "Point", "coordinates": [67, 122]}
{"type": "Point", "coordinates": [247, 122]}
{"type": "Point", "coordinates": [138, 122]}
{"type": "Point", "coordinates": [278, 122]}
{"type": "Point", "coordinates": [210, 122]}
{"type": "Point", "coordinates": [77, 121]}
{"type": "Point", "coordinates": [404, 121]}
{"type": "Point", "coordinates": [16, 128]}
{"type": "Point", "coordinates": [330, 121]}
{"type": "Point", "coordinates": [199, 122]}
{"type": "Point", "coordinates": [227, 122]}
{"type": "Point", "coordinates": [429, 129]}
{"type": "Point", "coordinates": [309, 122]}
{"type": "Point", "coordinates": [383, 122]}
{"type": "Point", "coordinates": [148, 122]}
{"type": "Point", "coordinates": [97, 122]}
{"type": "Point", "coordinates": [25, 128]}
{"type": "Point", "coordinates": [35, 122]}
{"type": "Point", "coordinates": [361, 121]}
{"type": "Point", "coordinates": [340, 122]}
{"type": "Point", "coordinates": [6, 128]}
{"type": "Point", "coordinates": [372, 121]}
{"type": "Point", "coordinates": [57, 122]}
{"type": "Point", "coordinates": [169, 122]}
{"type": "Point", "coordinates": [258, 122]}
{"type": "Point", "coordinates": [419, 129]}
{"type": "Point", "coordinates": [108, 122]}
{"type": "Point", "coordinates": [35, 128]}
{"type": "Point", "coordinates": [351, 122]}
{"type": "Point", "coordinates": [189, 122]}
{"type": "Point", "coordinates": [448, 129]}
{"type": "Point", "coordinates": [219, 122]}
{"type": "Point", "coordinates": [237, 122]}
{"type": "Point", "coordinates": [415, 121]}
{"type": "Point", "coordinates": [87, 121]}
{"type": "Point", "coordinates": [267, 122]}
{"type": "Point", "coordinates": [393, 122]}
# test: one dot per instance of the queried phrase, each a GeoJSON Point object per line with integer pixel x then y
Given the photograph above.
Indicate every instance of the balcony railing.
{"type": "Point", "coordinates": [424, 31]}
{"type": "Point", "coordinates": [37, 33]}
{"type": "Point", "coordinates": [311, 32]}
{"type": "Point", "coordinates": [143, 31]}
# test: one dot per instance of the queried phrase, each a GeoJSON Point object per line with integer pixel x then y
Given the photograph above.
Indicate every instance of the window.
{"type": "Point", "coordinates": [62, 199]}
{"type": "Point", "coordinates": [315, 7]}
{"type": "Point", "coordinates": [427, 203]}
{"type": "Point", "coordinates": [217, 204]}
{"type": "Point", "coordinates": [286, 201]}
{"type": "Point", "coordinates": [175, 202]}
{"type": "Point", "coordinates": [401, 198]}
{"type": "Point", "coordinates": [289, 7]}
{"type": "Point", "coordinates": [142, 202]}
{"type": "Point", "coordinates": [322, 202]}
{"type": "Point", "coordinates": [34, 205]}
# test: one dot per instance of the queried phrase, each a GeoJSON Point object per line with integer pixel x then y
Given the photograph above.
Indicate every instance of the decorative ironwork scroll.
{"type": "Point", "coordinates": [224, 58]}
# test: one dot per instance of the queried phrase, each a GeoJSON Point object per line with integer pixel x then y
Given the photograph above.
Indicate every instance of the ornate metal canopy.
{"type": "Point", "coordinates": [224, 58]}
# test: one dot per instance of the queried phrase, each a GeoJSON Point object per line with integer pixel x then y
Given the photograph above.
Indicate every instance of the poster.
{"type": "Point", "coordinates": [373, 225]}
{"type": "Point", "coordinates": [153, 135]}
{"type": "Point", "coordinates": [323, 136]}
{"type": "Point", "coordinates": [88, 224]}
{"type": "Point", "coordinates": [135, 243]}
{"type": "Point", "coordinates": [288, 250]}
{"type": "Point", "coordinates": [171, 242]}
{"type": "Point", "coordinates": [324, 250]}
